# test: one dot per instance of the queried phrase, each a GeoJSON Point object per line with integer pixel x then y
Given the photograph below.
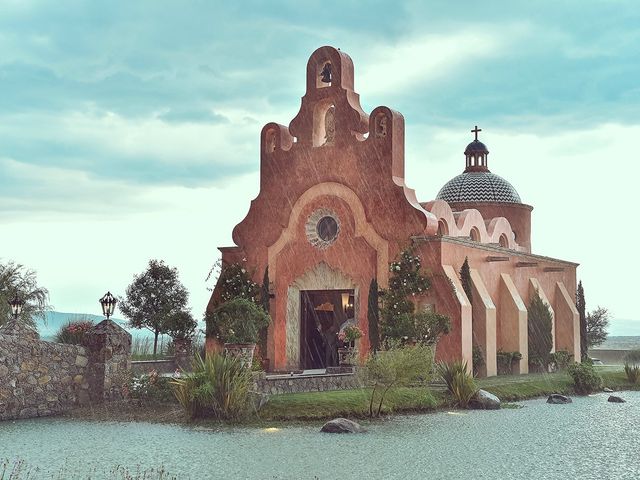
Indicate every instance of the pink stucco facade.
{"type": "Point", "coordinates": [335, 160]}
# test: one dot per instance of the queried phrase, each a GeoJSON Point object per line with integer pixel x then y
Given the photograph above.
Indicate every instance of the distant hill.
{"type": "Point", "coordinates": [620, 343]}
{"type": "Point", "coordinates": [55, 320]}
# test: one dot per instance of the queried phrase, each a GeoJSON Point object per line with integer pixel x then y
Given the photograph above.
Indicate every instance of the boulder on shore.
{"type": "Point", "coordinates": [558, 399]}
{"type": "Point", "coordinates": [341, 425]}
{"type": "Point", "coordinates": [614, 399]}
{"type": "Point", "coordinates": [484, 400]}
{"type": "Point", "coordinates": [607, 390]}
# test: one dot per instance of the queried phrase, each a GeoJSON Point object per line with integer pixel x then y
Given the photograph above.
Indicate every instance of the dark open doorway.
{"type": "Point", "coordinates": [322, 314]}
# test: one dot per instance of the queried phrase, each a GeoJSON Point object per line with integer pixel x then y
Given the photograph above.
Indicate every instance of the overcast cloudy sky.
{"type": "Point", "coordinates": [130, 130]}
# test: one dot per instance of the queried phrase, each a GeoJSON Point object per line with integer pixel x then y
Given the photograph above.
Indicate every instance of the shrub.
{"type": "Point", "coordinates": [478, 359]}
{"type": "Point", "coordinates": [632, 366]}
{"type": "Point", "coordinates": [217, 387]}
{"type": "Point", "coordinates": [237, 321]}
{"type": "Point", "coordinates": [585, 378]}
{"type": "Point", "coordinates": [560, 360]}
{"type": "Point", "coordinates": [73, 332]}
{"type": "Point", "coordinates": [151, 388]}
{"type": "Point", "coordinates": [458, 380]}
{"type": "Point", "coordinates": [398, 366]}
{"type": "Point", "coordinates": [632, 372]}
{"type": "Point", "coordinates": [506, 360]}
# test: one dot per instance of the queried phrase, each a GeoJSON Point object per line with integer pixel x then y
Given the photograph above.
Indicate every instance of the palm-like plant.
{"type": "Point", "coordinates": [458, 380]}
{"type": "Point", "coordinates": [15, 279]}
{"type": "Point", "coordinates": [218, 386]}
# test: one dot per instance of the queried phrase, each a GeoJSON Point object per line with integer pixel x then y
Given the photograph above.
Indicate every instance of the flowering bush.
{"type": "Point", "coordinates": [73, 332]}
{"type": "Point", "coordinates": [350, 334]}
{"type": "Point", "coordinates": [150, 387]}
{"type": "Point", "coordinates": [235, 281]}
{"type": "Point", "coordinates": [399, 320]}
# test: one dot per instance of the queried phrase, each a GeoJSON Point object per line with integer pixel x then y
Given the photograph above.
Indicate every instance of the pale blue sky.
{"type": "Point", "coordinates": [129, 130]}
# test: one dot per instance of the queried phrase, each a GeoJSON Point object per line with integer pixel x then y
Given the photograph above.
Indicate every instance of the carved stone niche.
{"type": "Point", "coordinates": [270, 141]}
{"type": "Point", "coordinates": [381, 123]}
{"type": "Point", "coordinates": [324, 123]}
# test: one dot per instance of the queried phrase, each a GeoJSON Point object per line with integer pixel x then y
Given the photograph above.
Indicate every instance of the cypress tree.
{"type": "Point", "coordinates": [581, 305]}
{"type": "Point", "coordinates": [264, 303]}
{"type": "Point", "coordinates": [539, 329]}
{"type": "Point", "coordinates": [465, 278]}
{"type": "Point", "coordinates": [373, 315]}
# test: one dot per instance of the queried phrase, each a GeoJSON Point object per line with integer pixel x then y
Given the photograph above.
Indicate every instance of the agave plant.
{"type": "Point", "coordinates": [218, 386]}
{"type": "Point", "coordinates": [632, 372]}
{"type": "Point", "coordinates": [458, 380]}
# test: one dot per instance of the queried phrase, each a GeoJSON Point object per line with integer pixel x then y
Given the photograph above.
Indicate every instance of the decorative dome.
{"type": "Point", "coordinates": [478, 187]}
{"type": "Point", "coordinates": [476, 147]}
{"type": "Point", "coordinates": [477, 183]}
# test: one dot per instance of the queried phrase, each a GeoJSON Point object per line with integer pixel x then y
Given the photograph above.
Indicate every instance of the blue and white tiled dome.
{"type": "Point", "coordinates": [481, 186]}
{"type": "Point", "coordinates": [477, 183]}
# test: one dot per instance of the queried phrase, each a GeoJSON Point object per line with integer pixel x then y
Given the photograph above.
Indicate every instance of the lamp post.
{"type": "Point", "coordinates": [108, 303]}
{"type": "Point", "coordinates": [16, 306]}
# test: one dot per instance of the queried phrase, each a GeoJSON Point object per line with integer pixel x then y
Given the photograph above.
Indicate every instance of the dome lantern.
{"type": "Point", "coordinates": [476, 154]}
{"type": "Point", "coordinates": [477, 183]}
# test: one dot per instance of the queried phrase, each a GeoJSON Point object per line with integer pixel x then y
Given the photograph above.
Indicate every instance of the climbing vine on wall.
{"type": "Point", "coordinates": [399, 319]}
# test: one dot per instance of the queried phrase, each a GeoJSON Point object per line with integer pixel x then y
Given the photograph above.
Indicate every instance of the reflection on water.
{"type": "Point", "coordinates": [588, 439]}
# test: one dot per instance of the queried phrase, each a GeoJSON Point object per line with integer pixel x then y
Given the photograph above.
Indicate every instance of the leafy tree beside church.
{"type": "Point", "coordinates": [399, 320]}
{"type": "Point", "coordinates": [157, 300]}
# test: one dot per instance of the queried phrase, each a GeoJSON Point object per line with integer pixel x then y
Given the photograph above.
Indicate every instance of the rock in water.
{"type": "Point", "coordinates": [614, 399]}
{"type": "Point", "coordinates": [342, 425]}
{"type": "Point", "coordinates": [607, 390]}
{"type": "Point", "coordinates": [558, 399]}
{"type": "Point", "coordinates": [484, 400]}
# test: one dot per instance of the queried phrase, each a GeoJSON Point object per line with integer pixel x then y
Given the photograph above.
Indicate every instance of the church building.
{"type": "Point", "coordinates": [334, 211]}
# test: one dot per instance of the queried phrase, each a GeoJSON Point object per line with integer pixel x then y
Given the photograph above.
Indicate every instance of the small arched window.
{"type": "Point", "coordinates": [442, 228]}
{"type": "Point", "coordinates": [475, 234]}
{"type": "Point", "coordinates": [503, 241]}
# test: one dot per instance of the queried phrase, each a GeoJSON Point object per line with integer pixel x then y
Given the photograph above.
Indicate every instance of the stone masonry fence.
{"type": "Point", "coordinates": [39, 378]}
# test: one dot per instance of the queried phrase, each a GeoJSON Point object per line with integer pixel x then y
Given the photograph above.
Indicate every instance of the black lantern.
{"type": "Point", "coordinates": [16, 306]}
{"type": "Point", "coordinates": [108, 303]}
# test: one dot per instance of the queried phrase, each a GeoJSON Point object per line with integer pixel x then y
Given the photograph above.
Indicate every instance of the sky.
{"type": "Point", "coordinates": [130, 130]}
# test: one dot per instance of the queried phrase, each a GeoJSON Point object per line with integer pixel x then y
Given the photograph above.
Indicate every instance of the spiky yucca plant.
{"type": "Point", "coordinates": [459, 382]}
{"type": "Point", "coordinates": [218, 387]}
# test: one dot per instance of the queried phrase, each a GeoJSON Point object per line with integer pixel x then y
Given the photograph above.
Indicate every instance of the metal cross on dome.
{"type": "Point", "coordinates": [476, 130]}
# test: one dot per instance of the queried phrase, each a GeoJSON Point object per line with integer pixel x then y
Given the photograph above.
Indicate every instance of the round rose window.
{"type": "Point", "coordinates": [322, 228]}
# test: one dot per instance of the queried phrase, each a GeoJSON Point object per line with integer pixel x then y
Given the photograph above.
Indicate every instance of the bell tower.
{"type": "Point", "coordinates": [330, 114]}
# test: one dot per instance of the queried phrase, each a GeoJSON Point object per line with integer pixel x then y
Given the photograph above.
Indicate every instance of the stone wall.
{"type": "Point", "coordinates": [277, 384]}
{"type": "Point", "coordinates": [39, 378]}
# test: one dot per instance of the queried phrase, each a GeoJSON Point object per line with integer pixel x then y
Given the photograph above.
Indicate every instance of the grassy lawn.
{"type": "Point", "coordinates": [347, 403]}
{"type": "Point", "coordinates": [355, 403]}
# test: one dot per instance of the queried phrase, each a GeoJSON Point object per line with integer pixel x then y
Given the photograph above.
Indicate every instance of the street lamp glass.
{"type": "Point", "coordinates": [108, 303]}
{"type": "Point", "coordinates": [16, 306]}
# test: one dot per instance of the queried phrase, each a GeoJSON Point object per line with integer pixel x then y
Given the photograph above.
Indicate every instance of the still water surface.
{"type": "Point", "coordinates": [589, 439]}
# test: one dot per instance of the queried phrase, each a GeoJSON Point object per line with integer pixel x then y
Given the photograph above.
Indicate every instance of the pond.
{"type": "Point", "coordinates": [589, 439]}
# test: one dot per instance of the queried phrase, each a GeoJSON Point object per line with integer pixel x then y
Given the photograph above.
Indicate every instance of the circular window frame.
{"type": "Point", "coordinates": [311, 228]}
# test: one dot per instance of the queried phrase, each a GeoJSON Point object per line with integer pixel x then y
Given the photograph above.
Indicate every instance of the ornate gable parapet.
{"type": "Point", "coordinates": [330, 113]}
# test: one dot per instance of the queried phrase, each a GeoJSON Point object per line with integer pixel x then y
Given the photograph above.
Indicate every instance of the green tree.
{"type": "Point", "coordinates": [373, 316]}
{"type": "Point", "coordinates": [465, 279]}
{"type": "Point", "coordinates": [406, 281]}
{"type": "Point", "coordinates": [17, 279]}
{"type": "Point", "coordinates": [395, 367]}
{"type": "Point", "coordinates": [153, 298]}
{"type": "Point", "coordinates": [597, 324]}
{"type": "Point", "coordinates": [581, 305]}
{"type": "Point", "coordinates": [180, 325]}
{"type": "Point", "coordinates": [540, 327]}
